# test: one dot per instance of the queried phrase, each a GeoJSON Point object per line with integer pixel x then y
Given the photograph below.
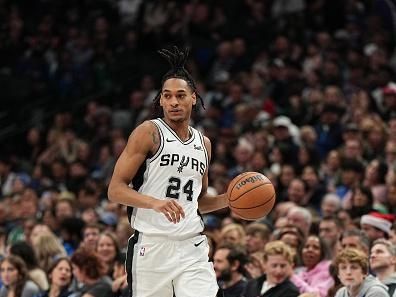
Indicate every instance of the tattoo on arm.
{"type": "Point", "coordinates": [154, 137]}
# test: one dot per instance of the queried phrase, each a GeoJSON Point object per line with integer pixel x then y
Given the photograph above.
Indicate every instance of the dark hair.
{"type": "Point", "coordinates": [236, 253]}
{"type": "Point", "coordinates": [56, 263]}
{"type": "Point", "coordinates": [334, 219]}
{"type": "Point", "coordinates": [88, 262]}
{"type": "Point", "coordinates": [25, 252]}
{"type": "Point", "coordinates": [20, 266]}
{"type": "Point", "coordinates": [363, 239]}
{"type": "Point", "coordinates": [324, 250]}
{"type": "Point", "coordinates": [176, 59]}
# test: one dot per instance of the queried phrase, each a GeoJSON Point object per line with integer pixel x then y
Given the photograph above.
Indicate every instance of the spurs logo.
{"type": "Point", "coordinates": [183, 163]}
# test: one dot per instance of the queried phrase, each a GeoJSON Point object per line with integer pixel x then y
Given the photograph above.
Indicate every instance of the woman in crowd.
{"type": "Point", "coordinates": [89, 271]}
{"type": "Point", "coordinates": [60, 276]}
{"type": "Point", "coordinates": [108, 250]}
{"type": "Point", "coordinates": [361, 202]}
{"type": "Point", "coordinates": [233, 233]}
{"type": "Point", "coordinates": [14, 275]}
{"type": "Point", "coordinates": [48, 248]}
{"type": "Point", "coordinates": [278, 265]}
{"type": "Point", "coordinates": [352, 269]}
{"type": "Point", "coordinates": [315, 275]}
{"type": "Point", "coordinates": [26, 252]}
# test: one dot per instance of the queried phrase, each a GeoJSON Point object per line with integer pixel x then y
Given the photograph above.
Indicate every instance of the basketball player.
{"type": "Point", "coordinates": [162, 175]}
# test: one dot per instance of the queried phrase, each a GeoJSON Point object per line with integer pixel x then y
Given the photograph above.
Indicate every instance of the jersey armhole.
{"type": "Point", "coordinates": [161, 146]}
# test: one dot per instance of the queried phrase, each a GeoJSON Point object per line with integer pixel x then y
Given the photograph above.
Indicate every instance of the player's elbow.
{"type": "Point", "coordinates": [112, 192]}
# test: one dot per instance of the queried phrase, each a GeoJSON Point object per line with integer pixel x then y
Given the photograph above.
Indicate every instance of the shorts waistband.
{"type": "Point", "coordinates": [161, 238]}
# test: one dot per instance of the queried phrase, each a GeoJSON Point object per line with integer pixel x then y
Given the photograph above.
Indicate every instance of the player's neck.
{"type": "Point", "coordinates": [180, 128]}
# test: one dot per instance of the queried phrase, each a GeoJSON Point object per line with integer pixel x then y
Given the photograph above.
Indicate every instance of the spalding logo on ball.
{"type": "Point", "coordinates": [251, 195]}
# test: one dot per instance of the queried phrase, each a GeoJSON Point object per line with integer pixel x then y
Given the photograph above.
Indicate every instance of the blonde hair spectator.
{"type": "Point", "coordinates": [233, 233]}
{"type": "Point", "coordinates": [47, 249]}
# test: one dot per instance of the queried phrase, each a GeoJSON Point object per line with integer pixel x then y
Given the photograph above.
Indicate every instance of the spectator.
{"type": "Point", "coordinates": [383, 263]}
{"type": "Point", "coordinates": [229, 263]}
{"type": "Point", "coordinates": [35, 273]}
{"type": "Point", "coordinates": [330, 229]}
{"type": "Point", "coordinates": [278, 263]}
{"type": "Point", "coordinates": [233, 233]}
{"type": "Point", "coordinates": [108, 250]}
{"type": "Point", "coordinates": [375, 226]}
{"type": "Point", "coordinates": [257, 236]}
{"type": "Point", "coordinates": [352, 269]}
{"type": "Point", "coordinates": [355, 239]}
{"type": "Point", "coordinates": [15, 278]}
{"type": "Point", "coordinates": [60, 276]}
{"type": "Point", "coordinates": [315, 276]}
{"type": "Point", "coordinates": [47, 248]}
{"type": "Point", "coordinates": [301, 218]}
{"type": "Point", "coordinates": [120, 284]}
{"type": "Point", "coordinates": [91, 235]}
{"type": "Point", "coordinates": [330, 205]}
{"type": "Point", "coordinates": [89, 270]}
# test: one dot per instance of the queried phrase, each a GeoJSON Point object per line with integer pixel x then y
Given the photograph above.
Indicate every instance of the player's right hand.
{"type": "Point", "coordinates": [170, 208]}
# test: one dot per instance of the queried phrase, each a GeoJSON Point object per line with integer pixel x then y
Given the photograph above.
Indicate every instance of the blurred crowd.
{"type": "Point", "coordinates": [301, 91]}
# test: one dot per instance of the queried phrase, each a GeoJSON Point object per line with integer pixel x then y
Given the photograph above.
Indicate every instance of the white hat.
{"type": "Point", "coordinates": [377, 222]}
{"type": "Point", "coordinates": [282, 121]}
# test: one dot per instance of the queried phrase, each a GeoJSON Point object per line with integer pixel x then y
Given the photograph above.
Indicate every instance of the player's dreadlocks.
{"type": "Point", "coordinates": [177, 59]}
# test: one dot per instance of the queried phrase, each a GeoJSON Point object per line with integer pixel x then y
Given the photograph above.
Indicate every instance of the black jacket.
{"type": "Point", "coordinates": [285, 289]}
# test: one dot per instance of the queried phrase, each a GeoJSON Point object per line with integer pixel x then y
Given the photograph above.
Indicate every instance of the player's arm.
{"type": "Point", "coordinates": [143, 140]}
{"type": "Point", "coordinates": [208, 203]}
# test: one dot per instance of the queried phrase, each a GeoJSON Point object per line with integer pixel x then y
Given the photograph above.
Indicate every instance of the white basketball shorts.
{"type": "Point", "coordinates": [161, 267]}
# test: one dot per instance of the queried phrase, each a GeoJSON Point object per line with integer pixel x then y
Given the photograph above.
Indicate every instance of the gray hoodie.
{"type": "Point", "coordinates": [389, 281]}
{"type": "Point", "coordinates": [371, 287]}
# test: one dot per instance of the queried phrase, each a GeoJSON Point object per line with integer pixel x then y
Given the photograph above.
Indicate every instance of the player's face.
{"type": "Point", "coordinates": [277, 268]}
{"type": "Point", "coordinates": [350, 274]}
{"type": "Point", "coordinates": [177, 100]}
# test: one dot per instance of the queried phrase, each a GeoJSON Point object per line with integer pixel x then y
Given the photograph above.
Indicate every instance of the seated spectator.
{"type": "Point", "coordinates": [383, 263]}
{"type": "Point", "coordinates": [300, 217]}
{"type": "Point", "coordinates": [278, 264]}
{"type": "Point", "coordinates": [330, 205]}
{"type": "Point", "coordinates": [361, 202]}
{"type": "Point", "coordinates": [91, 235]}
{"type": "Point", "coordinates": [229, 264]}
{"type": "Point", "coordinates": [352, 269]}
{"type": "Point", "coordinates": [60, 276]}
{"type": "Point", "coordinates": [233, 233]}
{"type": "Point", "coordinates": [47, 248]}
{"type": "Point", "coordinates": [14, 275]}
{"type": "Point", "coordinates": [120, 284]}
{"type": "Point", "coordinates": [293, 237]}
{"type": "Point", "coordinates": [376, 226]}
{"type": "Point", "coordinates": [108, 250]}
{"type": "Point", "coordinates": [26, 252]}
{"type": "Point", "coordinates": [257, 236]}
{"type": "Point", "coordinates": [355, 239]}
{"type": "Point", "coordinates": [89, 271]}
{"type": "Point", "coordinates": [330, 229]}
{"type": "Point", "coordinates": [315, 275]}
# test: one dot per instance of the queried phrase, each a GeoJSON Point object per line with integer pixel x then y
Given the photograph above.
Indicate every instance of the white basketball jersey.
{"type": "Point", "coordinates": [174, 172]}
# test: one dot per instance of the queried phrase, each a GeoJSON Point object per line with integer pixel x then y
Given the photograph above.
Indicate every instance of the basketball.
{"type": "Point", "coordinates": [251, 195]}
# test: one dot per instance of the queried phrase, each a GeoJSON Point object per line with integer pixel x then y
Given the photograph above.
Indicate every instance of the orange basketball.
{"type": "Point", "coordinates": [251, 195]}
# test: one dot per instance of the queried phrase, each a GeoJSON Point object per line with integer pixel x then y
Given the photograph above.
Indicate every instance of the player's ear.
{"type": "Point", "coordinates": [160, 99]}
{"type": "Point", "coordinates": [194, 98]}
